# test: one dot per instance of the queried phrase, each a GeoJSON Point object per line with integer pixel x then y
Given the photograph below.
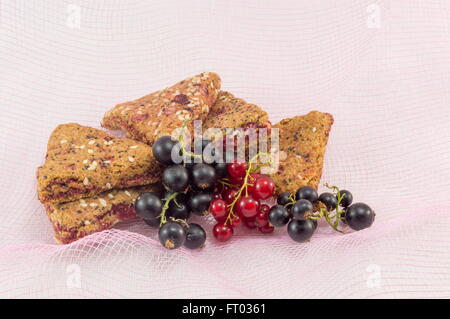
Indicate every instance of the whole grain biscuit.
{"type": "Point", "coordinates": [74, 220]}
{"type": "Point", "coordinates": [302, 147]}
{"type": "Point", "coordinates": [239, 123]}
{"type": "Point", "coordinates": [159, 113]}
{"type": "Point", "coordinates": [82, 161]}
{"type": "Point", "coordinates": [232, 112]}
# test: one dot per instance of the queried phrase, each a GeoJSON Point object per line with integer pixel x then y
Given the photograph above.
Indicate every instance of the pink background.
{"type": "Point", "coordinates": [382, 70]}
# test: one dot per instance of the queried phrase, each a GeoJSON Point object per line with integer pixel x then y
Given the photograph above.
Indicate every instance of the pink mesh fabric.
{"type": "Point", "coordinates": [380, 67]}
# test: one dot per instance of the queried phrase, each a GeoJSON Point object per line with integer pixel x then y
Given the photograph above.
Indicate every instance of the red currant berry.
{"type": "Point", "coordinates": [230, 195]}
{"type": "Point", "coordinates": [251, 181]}
{"type": "Point", "coordinates": [224, 190]}
{"type": "Point", "coordinates": [217, 196]}
{"type": "Point", "coordinates": [220, 188]}
{"type": "Point", "coordinates": [267, 229]}
{"type": "Point", "coordinates": [222, 232]}
{"type": "Point", "coordinates": [264, 188]}
{"type": "Point", "coordinates": [261, 219]}
{"type": "Point", "coordinates": [237, 169]}
{"type": "Point", "coordinates": [250, 223]}
{"type": "Point", "coordinates": [264, 208]}
{"type": "Point", "coordinates": [257, 175]}
{"type": "Point", "coordinates": [237, 221]}
{"type": "Point", "coordinates": [247, 206]}
{"type": "Point", "coordinates": [218, 208]}
{"type": "Point", "coordinates": [220, 219]}
{"type": "Point", "coordinates": [238, 181]}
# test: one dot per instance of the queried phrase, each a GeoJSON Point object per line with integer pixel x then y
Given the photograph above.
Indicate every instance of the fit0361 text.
{"type": "Point", "coordinates": [235, 308]}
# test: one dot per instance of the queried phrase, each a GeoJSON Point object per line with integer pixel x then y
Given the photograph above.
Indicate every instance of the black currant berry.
{"type": "Point", "coordinates": [175, 178]}
{"type": "Point", "coordinates": [195, 236]}
{"type": "Point", "coordinates": [162, 149]}
{"type": "Point", "coordinates": [172, 235]}
{"type": "Point", "coordinates": [196, 189]}
{"type": "Point", "coordinates": [178, 210]}
{"type": "Point", "coordinates": [347, 199]}
{"type": "Point", "coordinates": [148, 206]}
{"type": "Point", "coordinates": [300, 208]}
{"type": "Point", "coordinates": [343, 215]}
{"type": "Point", "coordinates": [301, 230]}
{"type": "Point", "coordinates": [307, 192]}
{"type": "Point", "coordinates": [152, 222]}
{"type": "Point", "coordinates": [180, 197]}
{"type": "Point", "coordinates": [359, 216]}
{"type": "Point", "coordinates": [188, 163]}
{"type": "Point", "coordinates": [279, 216]}
{"type": "Point", "coordinates": [221, 169]}
{"type": "Point", "coordinates": [284, 198]}
{"type": "Point", "coordinates": [329, 200]}
{"type": "Point", "coordinates": [203, 176]}
{"type": "Point", "coordinates": [178, 207]}
{"type": "Point", "coordinates": [199, 203]}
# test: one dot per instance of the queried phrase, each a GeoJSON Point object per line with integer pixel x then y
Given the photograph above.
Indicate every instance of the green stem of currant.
{"type": "Point", "coordinates": [181, 221]}
{"type": "Point", "coordinates": [229, 219]}
{"type": "Point", "coordinates": [291, 201]}
{"type": "Point", "coordinates": [324, 213]}
{"type": "Point", "coordinates": [184, 152]}
{"type": "Point", "coordinates": [176, 202]}
{"type": "Point", "coordinates": [334, 188]}
{"type": "Point", "coordinates": [224, 181]}
{"type": "Point", "coordinates": [261, 164]}
{"type": "Point", "coordinates": [231, 215]}
{"type": "Point", "coordinates": [339, 212]}
{"type": "Point", "coordinates": [167, 200]}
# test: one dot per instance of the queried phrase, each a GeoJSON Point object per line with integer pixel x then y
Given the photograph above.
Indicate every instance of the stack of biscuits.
{"type": "Point", "coordinates": [90, 178]}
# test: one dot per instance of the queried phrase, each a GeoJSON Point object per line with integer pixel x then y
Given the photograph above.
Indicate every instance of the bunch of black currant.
{"type": "Point", "coordinates": [189, 185]}
{"type": "Point", "coordinates": [297, 211]}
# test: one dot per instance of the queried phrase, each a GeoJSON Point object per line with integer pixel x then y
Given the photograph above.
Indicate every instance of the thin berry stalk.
{"type": "Point", "coordinates": [167, 200]}
{"type": "Point", "coordinates": [231, 215]}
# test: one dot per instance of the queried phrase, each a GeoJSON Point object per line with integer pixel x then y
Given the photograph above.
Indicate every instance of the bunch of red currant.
{"type": "Point", "coordinates": [238, 200]}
